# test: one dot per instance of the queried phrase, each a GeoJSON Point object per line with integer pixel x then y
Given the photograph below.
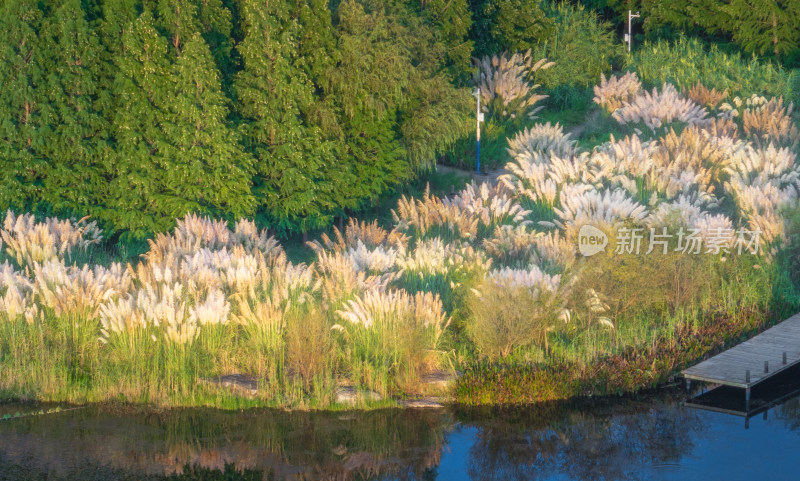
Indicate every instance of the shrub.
{"type": "Point", "coordinates": [582, 46]}
{"type": "Point", "coordinates": [309, 345]}
{"type": "Point", "coordinates": [513, 309]}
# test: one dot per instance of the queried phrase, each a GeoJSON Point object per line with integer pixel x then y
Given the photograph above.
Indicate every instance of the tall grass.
{"type": "Point", "coordinates": [686, 61]}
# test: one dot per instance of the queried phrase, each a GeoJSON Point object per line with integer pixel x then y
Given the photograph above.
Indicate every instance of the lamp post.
{"type": "Point", "coordinates": [478, 120]}
{"type": "Point", "coordinates": [629, 35]}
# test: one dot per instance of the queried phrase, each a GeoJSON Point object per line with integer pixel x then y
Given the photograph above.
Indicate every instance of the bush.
{"type": "Point", "coordinates": [686, 61]}
{"type": "Point", "coordinates": [309, 345]}
{"type": "Point", "coordinates": [581, 45]}
{"type": "Point", "coordinates": [507, 315]}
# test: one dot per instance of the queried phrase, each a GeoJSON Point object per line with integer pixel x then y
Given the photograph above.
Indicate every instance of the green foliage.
{"type": "Point", "coordinates": [452, 20]}
{"type": "Point", "coordinates": [512, 25]}
{"type": "Point", "coordinates": [761, 27]}
{"type": "Point", "coordinates": [581, 45]}
{"type": "Point", "coordinates": [74, 131]}
{"type": "Point", "coordinates": [272, 93]}
{"type": "Point", "coordinates": [20, 103]}
{"type": "Point", "coordinates": [507, 317]}
{"type": "Point", "coordinates": [174, 150]}
{"type": "Point", "coordinates": [318, 109]}
{"type": "Point", "coordinates": [685, 61]}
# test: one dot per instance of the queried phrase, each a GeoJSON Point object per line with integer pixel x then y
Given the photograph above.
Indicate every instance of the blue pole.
{"type": "Point", "coordinates": [478, 168]}
{"type": "Point", "coordinates": [478, 127]}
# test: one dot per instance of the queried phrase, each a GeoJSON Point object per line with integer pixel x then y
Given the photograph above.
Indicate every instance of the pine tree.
{"type": "Point", "coordinates": [511, 25]}
{"type": "Point", "coordinates": [216, 26]}
{"type": "Point", "coordinates": [764, 26]}
{"type": "Point", "coordinates": [452, 19]}
{"type": "Point", "coordinates": [273, 92]}
{"type": "Point", "coordinates": [135, 200]}
{"type": "Point", "coordinates": [19, 103]}
{"type": "Point", "coordinates": [74, 143]}
{"type": "Point", "coordinates": [208, 165]}
{"type": "Point", "coordinates": [175, 153]}
{"type": "Point", "coordinates": [178, 18]}
{"type": "Point", "coordinates": [117, 18]}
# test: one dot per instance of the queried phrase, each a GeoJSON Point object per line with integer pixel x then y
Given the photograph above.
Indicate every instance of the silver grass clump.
{"type": "Point", "coordinates": [554, 250]}
{"type": "Point", "coordinates": [619, 163]}
{"type": "Point", "coordinates": [540, 177]}
{"type": "Point", "coordinates": [763, 181]}
{"type": "Point", "coordinates": [215, 309]}
{"type": "Point", "coordinates": [193, 233]}
{"type": "Point", "coordinates": [531, 278]}
{"type": "Point", "coordinates": [341, 278]}
{"type": "Point", "coordinates": [770, 122]}
{"type": "Point", "coordinates": [681, 212]}
{"type": "Point", "coordinates": [370, 235]}
{"type": "Point", "coordinates": [462, 215]}
{"type": "Point", "coordinates": [489, 205]}
{"type": "Point", "coordinates": [434, 256]}
{"type": "Point", "coordinates": [612, 93]}
{"type": "Point", "coordinates": [16, 292]}
{"type": "Point", "coordinates": [541, 138]}
{"type": "Point", "coordinates": [655, 109]}
{"type": "Point", "coordinates": [505, 83]}
{"type": "Point", "coordinates": [377, 308]}
{"type": "Point", "coordinates": [29, 242]}
{"type": "Point", "coordinates": [695, 160]}
{"type": "Point", "coordinates": [511, 243]}
{"type": "Point", "coordinates": [582, 204]}
{"type": "Point", "coordinates": [78, 292]}
{"type": "Point", "coordinates": [164, 306]}
{"type": "Point", "coordinates": [688, 213]}
{"type": "Point", "coordinates": [378, 259]}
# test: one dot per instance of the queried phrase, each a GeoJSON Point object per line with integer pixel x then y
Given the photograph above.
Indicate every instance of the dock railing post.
{"type": "Point", "coordinates": [747, 400]}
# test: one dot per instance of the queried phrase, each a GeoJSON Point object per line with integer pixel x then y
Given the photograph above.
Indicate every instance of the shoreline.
{"type": "Point", "coordinates": [509, 385]}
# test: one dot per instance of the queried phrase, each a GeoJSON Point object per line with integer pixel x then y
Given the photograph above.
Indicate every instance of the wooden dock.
{"type": "Point", "coordinates": [753, 361]}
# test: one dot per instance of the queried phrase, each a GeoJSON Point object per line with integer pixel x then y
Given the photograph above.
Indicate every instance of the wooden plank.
{"type": "Point", "coordinates": [729, 367]}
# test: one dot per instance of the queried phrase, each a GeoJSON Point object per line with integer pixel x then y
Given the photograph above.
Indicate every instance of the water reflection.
{"type": "Point", "coordinates": [610, 440]}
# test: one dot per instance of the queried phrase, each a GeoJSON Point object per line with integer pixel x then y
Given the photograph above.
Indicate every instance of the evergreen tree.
{"type": "Point", "coordinates": [392, 72]}
{"type": "Point", "coordinates": [452, 20]}
{"type": "Point", "coordinates": [74, 143]}
{"type": "Point", "coordinates": [208, 166]}
{"type": "Point", "coordinates": [174, 152]}
{"type": "Point", "coordinates": [178, 19]}
{"type": "Point", "coordinates": [272, 93]}
{"type": "Point", "coordinates": [763, 26]}
{"type": "Point", "coordinates": [216, 26]}
{"type": "Point", "coordinates": [512, 25]}
{"type": "Point", "coordinates": [20, 75]}
{"type": "Point", "coordinates": [117, 18]}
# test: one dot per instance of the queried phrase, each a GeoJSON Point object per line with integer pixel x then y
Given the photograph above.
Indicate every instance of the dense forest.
{"type": "Point", "coordinates": [135, 112]}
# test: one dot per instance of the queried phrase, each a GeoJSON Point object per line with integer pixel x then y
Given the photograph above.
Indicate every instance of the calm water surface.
{"type": "Point", "coordinates": [653, 438]}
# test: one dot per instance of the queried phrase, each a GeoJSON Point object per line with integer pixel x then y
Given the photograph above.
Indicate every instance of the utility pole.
{"type": "Point", "coordinates": [478, 120]}
{"type": "Point", "coordinates": [629, 35]}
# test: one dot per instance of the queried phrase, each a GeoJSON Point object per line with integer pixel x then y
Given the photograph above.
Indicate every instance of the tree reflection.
{"type": "Point", "coordinates": [266, 444]}
{"type": "Point", "coordinates": [586, 444]}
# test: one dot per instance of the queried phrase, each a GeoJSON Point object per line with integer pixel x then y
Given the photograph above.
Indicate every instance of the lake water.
{"type": "Point", "coordinates": [645, 438]}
